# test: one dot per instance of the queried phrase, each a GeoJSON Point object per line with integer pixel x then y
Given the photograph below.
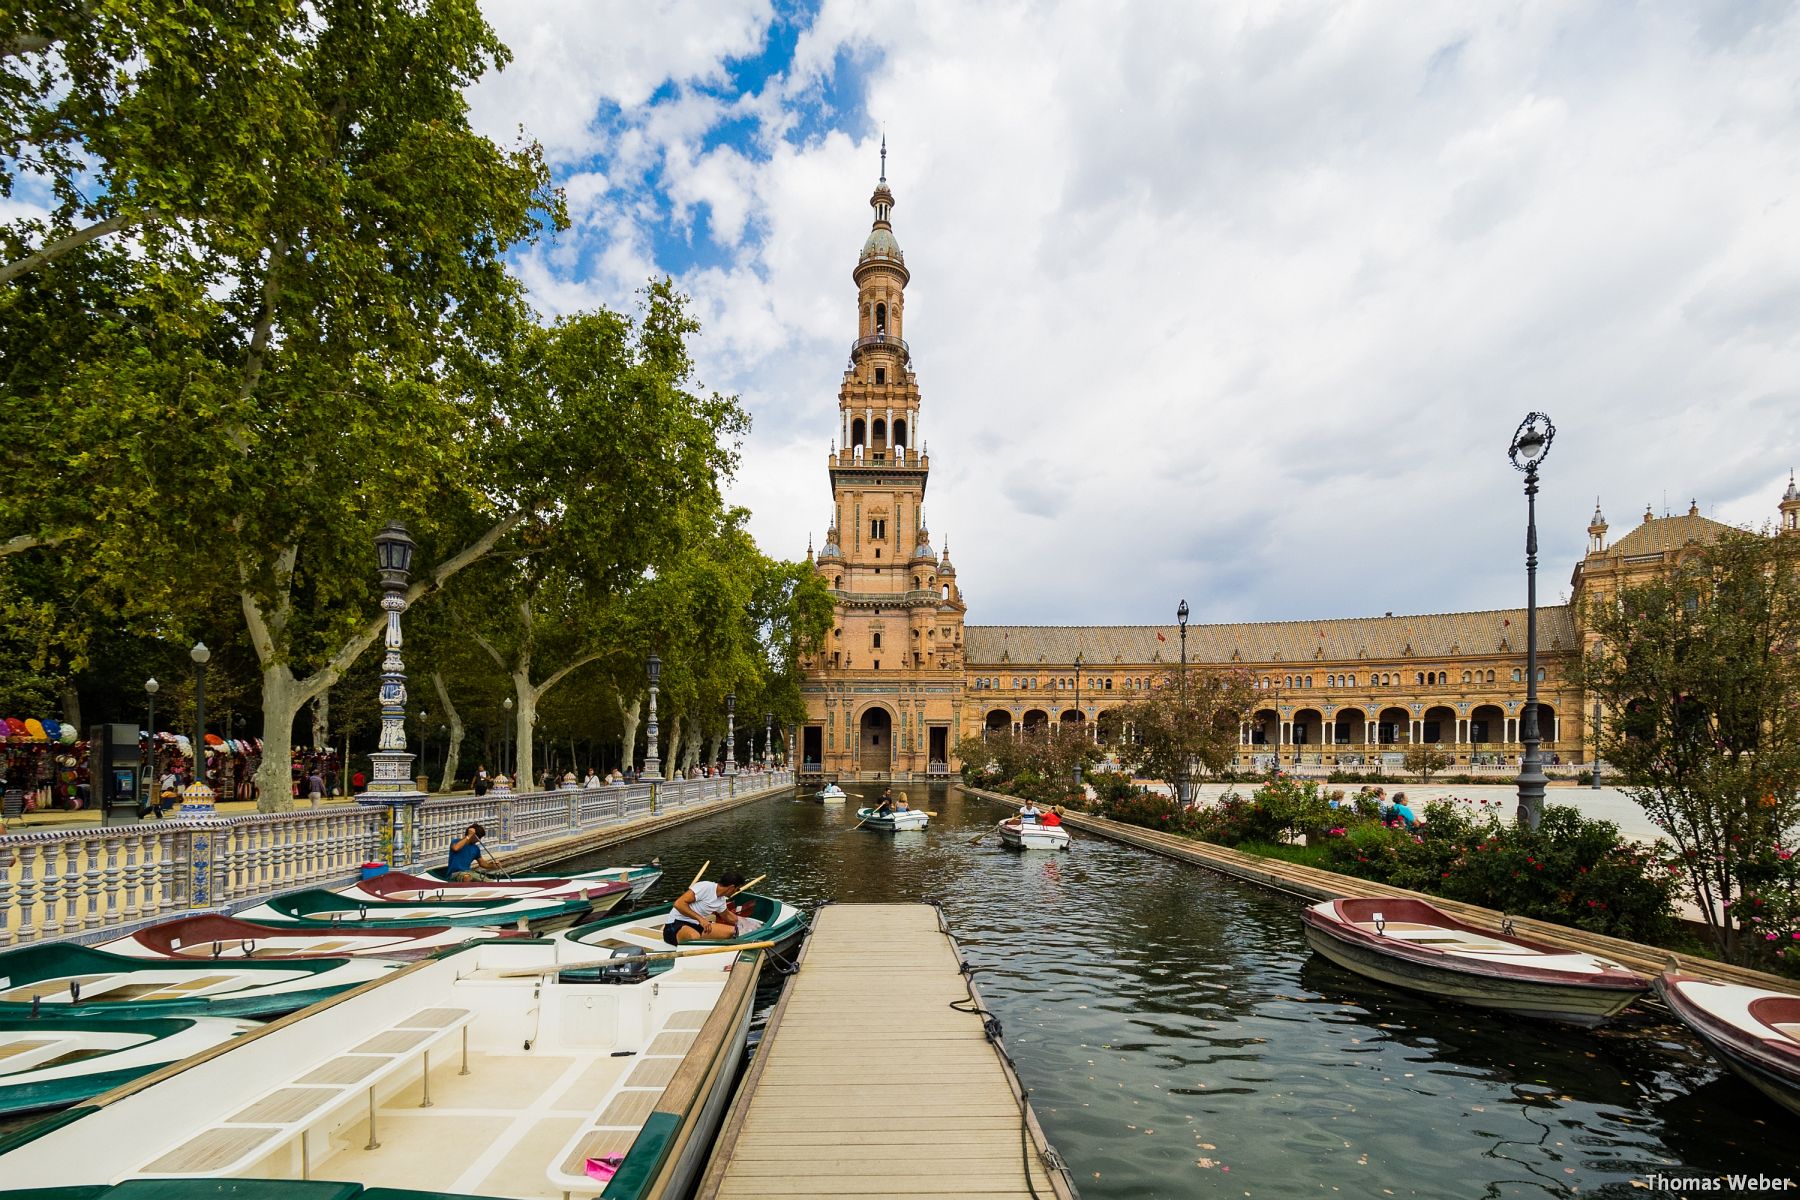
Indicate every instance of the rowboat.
{"type": "Point", "coordinates": [642, 877]}
{"type": "Point", "coordinates": [1414, 945]}
{"type": "Point", "coordinates": [423, 889]}
{"type": "Point", "coordinates": [79, 981]}
{"type": "Point", "coordinates": [316, 908]}
{"type": "Point", "coordinates": [894, 822]}
{"type": "Point", "coordinates": [773, 921]}
{"type": "Point", "coordinates": [1753, 1031]}
{"type": "Point", "coordinates": [1017, 834]}
{"type": "Point", "coordinates": [53, 1062]}
{"type": "Point", "coordinates": [481, 1072]}
{"type": "Point", "coordinates": [831, 793]}
{"type": "Point", "coordinates": [215, 937]}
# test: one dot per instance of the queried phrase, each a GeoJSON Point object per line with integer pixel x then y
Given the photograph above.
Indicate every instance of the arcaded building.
{"type": "Point", "coordinates": [902, 677]}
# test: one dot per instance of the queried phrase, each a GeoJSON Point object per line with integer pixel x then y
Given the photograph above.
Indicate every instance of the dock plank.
{"type": "Point", "coordinates": [870, 1085]}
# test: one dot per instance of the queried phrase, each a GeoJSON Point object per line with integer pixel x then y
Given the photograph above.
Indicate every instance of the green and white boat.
{"type": "Point", "coordinates": [316, 908]}
{"type": "Point", "coordinates": [894, 820]}
{"type": "Point", "coordinates": [641, 876]}
{"type": "Point", "coordinates": [53, 1062]}
{"type": "Point", "coordinates": [773, 920]}
{"type": "Point", "coordinates": [66, 980]}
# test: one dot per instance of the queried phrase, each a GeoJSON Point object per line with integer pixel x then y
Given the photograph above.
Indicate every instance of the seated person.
{"type": "Point", "coordinates": [1401, 811]}
{"type": "Point", "coordinates": [900, 804]}
{"type": "Point", "coordinates": [467, 864]}
{"type": "Point", "coordinates": [1029, 813]}
{"type": "Point", "coordinates": [1052, 818]}
{"type": "Point", "coordinates": [704, 911]}
{"type": "Point", "coordinates": [886, 803]}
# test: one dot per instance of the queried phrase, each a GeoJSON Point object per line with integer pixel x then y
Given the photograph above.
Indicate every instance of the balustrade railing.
{"type": "Point", "coordinates": [63, 882]}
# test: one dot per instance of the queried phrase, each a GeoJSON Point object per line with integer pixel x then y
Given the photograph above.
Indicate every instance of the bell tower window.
{"type": "Point", "coordinates": [858, 432]}
{"type": "Point", "coordinates": [880, 319]}
{"type": "Point", "coordinates": [880, 375]}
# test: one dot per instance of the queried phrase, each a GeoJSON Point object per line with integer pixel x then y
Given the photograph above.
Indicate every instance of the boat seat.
{"type": "Point", "coordinates": [627, 1105]}
{"type": "Point", "coordinates": [294, 1107]}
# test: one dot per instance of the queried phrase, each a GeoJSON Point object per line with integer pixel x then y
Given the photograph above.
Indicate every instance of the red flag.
{"type": "Point", "coordinates": [1160, 637]}
{"type": "Point", "coordinates": [1506, 622]}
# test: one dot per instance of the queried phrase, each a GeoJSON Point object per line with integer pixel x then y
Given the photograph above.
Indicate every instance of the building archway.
{"type": "Point", "coordinates": [1546, 719]}
{"type": "Point", "coordinates": [1438, 725]}
{"type": "Point", "coordinates": [1487, 724]}
{"type": "Point", "coordinates": [1394, 727]}
{"type": "Point", "coordinates": [1265, 727]}
{"type": "Point", "coordinates": [1308, 727]}
{"type": "Point", "coordinates": [1349, 727]}
{"type": "Point", "coordinates": [1036, 718]}
{"type": "Point", "coordinates": [998, 721]}
{"type": "Point", "coordinates": [875, 740]}
{"type": "Point", "coordinates": [1071, 716]}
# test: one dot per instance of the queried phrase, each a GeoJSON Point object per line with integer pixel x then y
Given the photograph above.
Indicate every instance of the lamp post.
{"type": "Point", "coordinates": [1529, 446]}
{"type": "Point", "coordinates": [390, 781]}
{"type": "Point", "coordinates": [151, 687]}
{"type": "Point", "coordinates": [1596, 764]}
{"type": "Point", "coordinates": [768, 739]}
{"type": "Point", "coordinates": [1080, 717]}
{"type": "Point", "coordinates": [1181, 784]}
{"type": "Point", "coordinates": [201, 656]}
{"type": "Point", "coordinates": [424, 741]}
{"type": "Point", "coordinates": [506, 732]}
{"type": "Point", "coordinates": [731, 733]}
{"type": "Point", "coordinates": [652, 762]}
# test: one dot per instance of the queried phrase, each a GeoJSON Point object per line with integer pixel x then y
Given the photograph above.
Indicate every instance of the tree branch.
{"type": "Point", "coordinates": [61, 246]}
{"type": "Point", "coordinates": [558, 676]}
{"type": "Point", "coordinates": [488, 646]}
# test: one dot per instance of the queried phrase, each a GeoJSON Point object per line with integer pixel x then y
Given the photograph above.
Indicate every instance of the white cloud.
{"type": "Point", "coordinates": [1240, 303]}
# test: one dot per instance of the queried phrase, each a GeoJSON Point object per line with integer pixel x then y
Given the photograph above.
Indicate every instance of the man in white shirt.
{"type": "Point", "coordinates": [1029, 813]}
{"type": "Point", "coordinates": [704, 911]}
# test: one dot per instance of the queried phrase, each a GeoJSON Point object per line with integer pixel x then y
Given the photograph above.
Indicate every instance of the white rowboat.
{"type": "Point", "coordinates": [894, 822]}
{"type": "Point", "coordinates": [1018, 834]}
{"type": "Point", "coordinates": [832, 794]}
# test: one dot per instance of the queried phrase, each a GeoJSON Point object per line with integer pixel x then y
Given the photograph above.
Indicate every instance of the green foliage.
{"type": "Point", "coordinates": [1698, 669]}
{"type": "Point", "coordinates": [1185, 726]}
{"type": "Point", "coordinates": [1425, 760]}
{"type": "Point", "coordinates": [1037, 765]}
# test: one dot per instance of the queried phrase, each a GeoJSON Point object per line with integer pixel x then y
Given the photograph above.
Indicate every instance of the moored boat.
{"type": "Point", "coordinates": [79, 981]}
{"type": "Point", "coordinates": [894, 821]}
{"type": "Point", "coordinates": [831, 793]}
{"type": "Point", "coordinates": [600, 897]}
{"type": "Point", "coordinates": [1019, 834]}
{"type": "Point", "coordinates": [53, 1062]}
{"type": "Point", "coordinates": [210, 936]}
{"type": "Point", "coordinates": [315, 908]}
{"type": "Point", "coordinates": [641, 876]}
{"type": "Point", "coordinates": [1414, 945]}
{"type": "Point", "coordinates": [1753, 1031]}
{"type": "Point", "coordinates": [482, 1072]}
{"type": "Point", "coordinates": [773, 921]}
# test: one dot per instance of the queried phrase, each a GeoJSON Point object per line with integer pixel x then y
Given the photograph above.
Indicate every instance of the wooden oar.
{"type": "Point", "coordinates": [753, 883]}
{"type": "Point", "coordinates": [978, 837]}
{"type": "Point", "coordinates": [559, 968]}
{"type": "Point", "coordinates": [700, 874]}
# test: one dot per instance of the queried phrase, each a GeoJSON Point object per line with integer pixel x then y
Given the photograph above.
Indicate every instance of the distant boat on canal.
{"type": "Point", "coordinates": [831, 793]}
{"type": "Point", "coordinates": [1753, 1031]}
{"type": "Point", "coordinates": [1414, 945]}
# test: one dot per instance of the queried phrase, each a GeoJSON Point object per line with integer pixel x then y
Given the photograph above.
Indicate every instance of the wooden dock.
{"type": "Point", "coordinates": [869, 1085]}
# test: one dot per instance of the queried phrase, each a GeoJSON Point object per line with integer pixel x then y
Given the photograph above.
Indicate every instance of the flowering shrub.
{"type": "Point", "coordinates": [1149, 809]}
{"type": "Point", "coordinates": [1769, 908]}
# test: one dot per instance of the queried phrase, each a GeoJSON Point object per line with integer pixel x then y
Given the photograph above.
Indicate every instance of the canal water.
{"type": "Point", "coordinates": [1179, 1039]}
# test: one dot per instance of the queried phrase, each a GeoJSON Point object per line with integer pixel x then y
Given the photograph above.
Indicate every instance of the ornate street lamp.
{"type": "Point", "coordinates": [151, 687]}
{"type": "Point", "coordinates": [652, 762]}
{"type": "Point", "coordinates": [1529, 447]}
{"type": "Point", "coordinates": [1080, 717]}
{"type": "Point", "coordinates": [201, 656]}
{"type": "Point", "coordinates": [1596, 763]}
{"type": "Point", "coordinates": [506, 732]}
{"type": "Point", "coordinates": [768, 739]}
{"type": "Point", "coordinates": [390, 772]}
{"type": "Point", "coordinates": [1181, 784]}
{"type": "Point", "coordinates": [731, 733]}
{"type": "Point", "coordinates": [424, 741]}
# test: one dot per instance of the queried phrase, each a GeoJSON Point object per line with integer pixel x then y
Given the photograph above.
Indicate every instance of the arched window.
{"type": "Point", "coordinates": [1309, 681]}
{"type": "Point", "coordinates": [1353, 681]}
{"type": "Point", "coordinates": [879, 433]}
{"type": "Point", "coordinates": [1490, 677]}
{"type": "Point", "coordinates": [881, 318]}
{"type": "Point", "coordinates": [1540, 674]}
{"type": "Point", "coordinates": [859, 433]}
{"type": "Point", "coordinates": [838, 582]}
{"type": "Point", "coordinates": [1515, 675]}
{"type": "Point", "coordinates": [1465, 677]}
{"type": "Point", "coordinates": [899, 432]}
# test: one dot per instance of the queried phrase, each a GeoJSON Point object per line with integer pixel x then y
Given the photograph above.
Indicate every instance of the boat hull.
{"type": "Point", "coordinates": [783, 924]}
{"type": "Point", "coordinates": [896, 822]}
{"type": "Point", "coordinates": [1555, 990]}
{"type": "Point", "coordinates": [318, 909]}
{"type": "Point", "coordinates": [1033, 837]}
{"type": "Point", "coordinates": [1766, 1058]}
{"type": "Point", "coordinates": [215, 938]}
{"type": "Point", "coordinates": [640, 878]}
{"type": "Point", "coordinates": [832, 795]}
{"type": "Point", "coordinates": [114, 1055]}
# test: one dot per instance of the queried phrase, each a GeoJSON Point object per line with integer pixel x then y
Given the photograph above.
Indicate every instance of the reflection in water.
{"type": "Point", "coordinates": [1181, 1041]}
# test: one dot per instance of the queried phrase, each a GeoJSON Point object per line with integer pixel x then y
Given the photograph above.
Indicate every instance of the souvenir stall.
{"type": "Point", "coordinates": [323, 760]}
{"type": "Point", "coordinates": [42, 761]}
{"type": "Point", "coordinates": [233, 763]}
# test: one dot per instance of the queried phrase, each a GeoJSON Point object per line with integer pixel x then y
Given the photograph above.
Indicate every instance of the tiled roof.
{"type": "Point", "coordinates": [1431, 635]}
{"type": "Point", "coordinates": [1669, 533]}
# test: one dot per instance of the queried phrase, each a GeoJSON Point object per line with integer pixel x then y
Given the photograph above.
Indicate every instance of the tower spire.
{"type": "Point", "coordinates": [884, 156]}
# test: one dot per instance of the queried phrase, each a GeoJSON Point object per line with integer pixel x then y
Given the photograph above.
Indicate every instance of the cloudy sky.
{"type": "Point", "coordinates": [1237, 302]}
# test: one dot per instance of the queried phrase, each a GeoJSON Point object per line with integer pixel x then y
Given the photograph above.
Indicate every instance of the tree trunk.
{"type": "Point", "coordinates": [282, 698]}
{"type": "Point", "coordinates": [671, 760]}
{"type": "Point", "coordinates": [452, 753]}
{"type": "Point", "coordinates": [321, 721]}
{"type": "Point", "coordinates": [525, 725]}
{"type": "Point", "coordinates": [71, 707]}
{"type": "Point", "coordinates": [629, 715]}
{"type": "Point", "coordinates": [706, 750]}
